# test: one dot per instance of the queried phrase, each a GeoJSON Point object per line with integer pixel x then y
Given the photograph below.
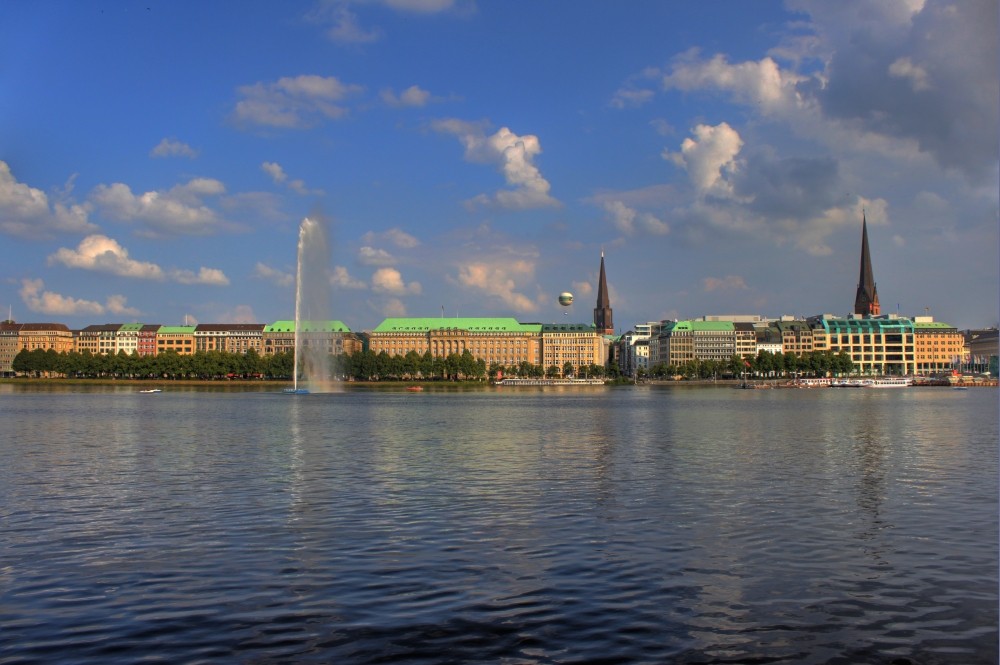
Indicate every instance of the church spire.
{"type": "Point", "coordinates": [602, 313]}
{"type": "Point", "coordinates": [866, 300]}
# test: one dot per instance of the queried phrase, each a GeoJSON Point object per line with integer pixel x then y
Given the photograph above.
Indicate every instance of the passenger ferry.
{"type": "Point", "coordinates": [889, 382]}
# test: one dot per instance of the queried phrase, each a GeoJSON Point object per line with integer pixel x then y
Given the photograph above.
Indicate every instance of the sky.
{"type": "Point", "coordinates": [157, 158]}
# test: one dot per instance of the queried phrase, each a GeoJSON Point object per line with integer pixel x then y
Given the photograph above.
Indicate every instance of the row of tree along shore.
{"type": "Point", "coordinates": [369, 366]}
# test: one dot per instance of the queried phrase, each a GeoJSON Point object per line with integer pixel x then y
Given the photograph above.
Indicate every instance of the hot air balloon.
{"type": "Point", "coordinates": [565, 298]}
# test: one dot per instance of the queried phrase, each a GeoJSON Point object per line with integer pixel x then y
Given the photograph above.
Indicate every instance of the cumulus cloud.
{"type": "Point", "coordinates": [279, 177]}
{"type": "Point", "coordinates": [173, 148]}
{"type": "Point", "coordinates": [762, 84]}
{"type": "Point", "coordinates": [390, 281]}
{"type": "Point", "coordinates": [340, 278]}
{"type": "Point", "coordinates": [53, 304]}
{"type": "Point", "coordinates": [100, 253]}
{"type": "Point", "coordinates": [629, 220]}
{"type": "Point", "coordinates": [727, 283]}
{"type": "Point", "coordinates": [294, 102]}
{"type": "Point", "coordinates": [514, 155]}
{"type": "Point", "coordinates": [414, 96]}
{"type": "Point", "coordinates": [274, 275]}
{"type": "Point", "coordinates": [709, 158]}
{"type": "Point", "coordinates": [204, 276]}
{"type": "Point", "coordinates": [392, 307]}
{"type": "Point", "coordinates": [27, 212]}
{"type": "Point", "coordinates": [395, 235]}
{"type": "Point", "coordinates": [500, 280]}
{"type": "Point", "coordinates": [103, 254]}
{"type": "Point", "coordinates": [370, 256]}
{"type": "Point", "coordinates": [180, 210]}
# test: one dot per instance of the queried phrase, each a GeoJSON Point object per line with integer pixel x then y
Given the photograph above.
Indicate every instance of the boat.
{"type": "Point", "coordinates": [848, 383]}
{"type": "Point", "coordinates": [415, 389]}
{"type": "Point", "coordinates": [515, 381]}
{"type": "Point", "coordinates": [889, 382]}
{"type": "Point", "coordinates": [151, 390]}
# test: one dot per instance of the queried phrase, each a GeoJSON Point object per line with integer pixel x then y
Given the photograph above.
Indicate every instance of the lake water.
{"type": "Point", "coordinates": [594, 525]}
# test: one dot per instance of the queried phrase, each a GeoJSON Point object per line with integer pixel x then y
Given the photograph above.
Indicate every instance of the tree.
{"type": "Point", "coordinates": [567, 369]}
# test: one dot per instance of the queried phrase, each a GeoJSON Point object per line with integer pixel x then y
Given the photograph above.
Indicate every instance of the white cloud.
{"type": "Point", "coordinates": [629, 220]}
{"type": "Point", "coordinates": [180, 210]}
{"type": "Point", "coordinates": [414, 96]}
{"type": "Point", "coordinates": [54, 304]}
{"type": "Point", "coordinates": [762, 84]}
{"type": "Point", "coordinates": [727, 283]}
{"type": "Point", "coordinates": [390, 281]}
{"type": "Point", "coordinates": [395, 235]}
{"type": "Point", "coordinates": [709, 157]}
{"type": "Point", "coordinates": [172, 148]}
{"type": "Point", "coordinates": [514, 155]}
{"type": "Point", "coordinates": [103, 254]}
{"type": "Point", "coordinates": [273, 275]}
{"type": "Point", "coordinates": [204, 276]}
{"type": "Point", "coordinates": [392, 307]}
{"type": "Point", "coordinates": [905, 69]}
{"type": "Point", "coordinates": [279, 177]}
{"type": "Point", "coordinates": [342, 279]}
{"type": "Point", "coordinates": [371, 256]}
{"type": "Point", "coordinates": [294, 102]}
{"type": "Point", "coordinates": [26, 212]}
{"type": "Point", "coordinates": [500, 279]}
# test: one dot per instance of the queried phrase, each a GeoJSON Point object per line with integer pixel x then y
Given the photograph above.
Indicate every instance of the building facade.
{"type": "Point", "coordinates": [877, 346]}
{"type": "Point", "coordinates": [503, 341]}
{"type": "Point", "coordinates": [578, 344]}
{"type": "Point", "coordinates": [937, 346]}
{"type": "Point", "coordinates": [332, 337]}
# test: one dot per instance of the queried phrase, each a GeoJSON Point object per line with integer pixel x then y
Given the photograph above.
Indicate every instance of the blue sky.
{"type": "Point", "coordinates": [475, 159]}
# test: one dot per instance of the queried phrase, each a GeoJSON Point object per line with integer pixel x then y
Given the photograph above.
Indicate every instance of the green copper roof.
{"type": "Point", "coordinates": [866, 325]}
{"type": "Point", "coordinates": [704, 326]}
{"type": "Point", "coordinates": [176, 330]}
{"type": "Point", "coordinates": [568, 327]}
{"type": "Point", "coordinates": [933, 325]}
{"type": "Point", "coordinates": [423, 325]}
{"type": "Point", "coordinates": [134, 327]}
{"type": "Point", "coordinates": [307, 326]}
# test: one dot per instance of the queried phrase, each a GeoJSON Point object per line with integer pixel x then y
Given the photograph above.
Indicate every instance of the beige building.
{"type": "Point", "coordinates": [937, 346]}
{"type": "Point", "coordinates": [333, 337]}
{"type": "Point", "coordinates": [179, 339]}
{"type": "Point", "coordinates": [229, 337]}
{"type": "Point", "coordinates": [494, 340]}
{"type": "Point", "coordinates": [15, 337]}
{"type": "Point", "coordinates": [579, 344]}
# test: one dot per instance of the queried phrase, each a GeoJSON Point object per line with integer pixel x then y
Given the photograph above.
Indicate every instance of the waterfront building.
{"type": "Point", "coordinates": [17, 337]}
{"type": "Point", "coordinates": [796, 336]}
{"type": "Point", "coordinates": [503, 341]}
{"type": "Point", "coordinates": [229, 337]}
{"type": "Point", "coordinates": [982, 348]}
{"type": "Point", "coordinates": [127, 338]}
{"type": "Point", "coordinates": [146, 344]}
{"type": "Point", "coordinates": [877, 345]}
{"type": "Point", "coordinates": [603, 319]}
{"type": "Point", "coordinates": [9, 346]}
{"type": "Point", "coordinates": [937, 346]}
{"type": "Point", "coordinates": [579, 344]}
{"type": "Point", "coordinates": [746, 339]}
{"type": "Point", "coordinates": [632, 350]}
{"type": "Point", "coordinates": [866, 297]}
{"type": "Point", "coordinates": [100, 339]}
{"type": "Point", "coordinates": [332, 337]}
{"type": "Point", "coordinates": [179, 339]}
{"type": "Point", "coordinates": [683, 341]}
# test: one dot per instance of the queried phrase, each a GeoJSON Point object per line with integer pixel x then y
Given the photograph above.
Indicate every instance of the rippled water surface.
{"type": "Point", "coordinates": [624, 525]}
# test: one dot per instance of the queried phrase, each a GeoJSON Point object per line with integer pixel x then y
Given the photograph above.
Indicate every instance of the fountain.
{"type": "Point", "coordinates": [312, 310]}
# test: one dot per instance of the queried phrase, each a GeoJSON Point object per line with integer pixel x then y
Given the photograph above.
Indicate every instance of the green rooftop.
{"type": "Point", "coordinates": [176, 330]}
{"type": "Point", "coordinates": [703, 326]}
{"type": "Point", "coordinates": [307, 326]}
{"type": "Point", "coordinates": [424, 325]}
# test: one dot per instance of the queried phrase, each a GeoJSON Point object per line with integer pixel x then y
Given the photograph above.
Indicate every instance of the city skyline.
{"type": "Point", "coordinates": [474, 159]}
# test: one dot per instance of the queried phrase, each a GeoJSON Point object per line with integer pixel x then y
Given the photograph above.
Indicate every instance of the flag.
{"type": "Point", "coordinates": [746, 363]}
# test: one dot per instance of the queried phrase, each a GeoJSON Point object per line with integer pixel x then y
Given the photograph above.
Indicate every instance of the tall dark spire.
{"type": "Point", "coordinates": [866, 300]}
{"type": "Point", "coordinates": [602, 313]}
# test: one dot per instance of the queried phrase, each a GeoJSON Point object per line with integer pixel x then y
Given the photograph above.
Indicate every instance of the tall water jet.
{"type": "Point", "coordinates": [312, 310]}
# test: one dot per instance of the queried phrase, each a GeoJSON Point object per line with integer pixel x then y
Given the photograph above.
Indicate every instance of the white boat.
{"type": "Point", "coordinates": [151, 390]}
{"type": "Point", "coordinates": [889, 382]}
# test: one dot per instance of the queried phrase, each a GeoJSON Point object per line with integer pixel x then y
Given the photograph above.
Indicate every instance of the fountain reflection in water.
{"type": "Point", "coordinates": [312, 310]}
